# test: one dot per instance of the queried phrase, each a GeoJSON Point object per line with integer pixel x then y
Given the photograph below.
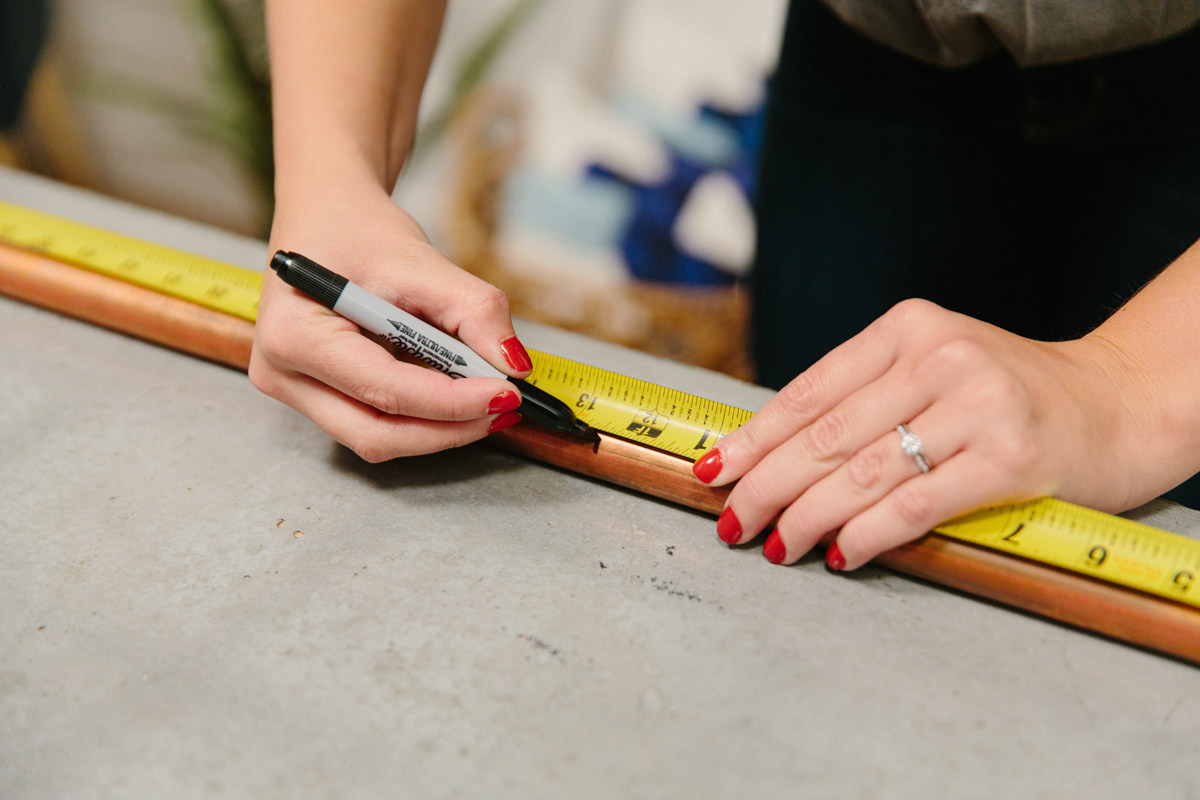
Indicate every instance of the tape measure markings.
{"type": "Point", "coordinates": [204, 281]}
{"type": "Point", "coordinates": [1049, 531]}
{"type": "Point", "coordinates": [640, 411]}
{"type": "Point", "coordinates": [636, 410]}
{"type": "Point", "coordinates": [1088, 542]}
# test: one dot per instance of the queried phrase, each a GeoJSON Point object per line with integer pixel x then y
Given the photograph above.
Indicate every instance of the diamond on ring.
{"type": "Point", "coordinates": [911, 444]}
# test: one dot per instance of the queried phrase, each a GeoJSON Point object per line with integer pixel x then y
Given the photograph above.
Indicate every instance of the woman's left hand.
{"type": "Point", "coordinates": [1001, 418]}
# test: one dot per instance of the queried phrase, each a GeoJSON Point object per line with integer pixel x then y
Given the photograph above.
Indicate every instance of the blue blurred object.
{"type": "Point", "coordinates": [713, 140]}
{"type": "Point", "coordinates": [616, 212]}
{"type": "Point", "coordinates": [648, 247]}
{"type": "Point", "coordinates": [748, 130]}
{"type": "Point", "coordinates": [591, 214]}
{"type": "Point", "coordinates": [23, 28]}
{"type": "Point", "coordinates": [707, 139]}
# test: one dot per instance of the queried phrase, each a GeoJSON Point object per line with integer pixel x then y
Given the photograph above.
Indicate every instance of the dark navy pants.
{"type": "Point", "coordinates": [1038, 199]}
{"type": "Point", "coordinates": [23, 29]}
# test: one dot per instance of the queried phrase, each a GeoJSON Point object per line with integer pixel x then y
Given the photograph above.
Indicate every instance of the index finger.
{"type": "Point", "coordinates": [333, 351]}
{"type": "Point", "coordinates": [463, 306]}
{"type": "Point", "coordinates": [845, 369]}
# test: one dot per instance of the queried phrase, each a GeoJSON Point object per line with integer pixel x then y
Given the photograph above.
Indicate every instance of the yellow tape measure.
{"type": "Point", "coordinates": [204, 281]}
{"type": "Point", "coordinates": [642, 412]}
{"type": "Point", "coordinates": [1046, 531]}
{"type": "Point", "coordinates": [652, 415]}
{"type": "Point", "coordinates": [1089, 542]}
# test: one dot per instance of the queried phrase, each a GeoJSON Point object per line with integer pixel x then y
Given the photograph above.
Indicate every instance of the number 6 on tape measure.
{"type": "Point", "coordinates": [1047, 531]}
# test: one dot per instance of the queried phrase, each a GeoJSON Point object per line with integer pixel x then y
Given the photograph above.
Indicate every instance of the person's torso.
{"type": "Point", "coordinates": [956, 33]}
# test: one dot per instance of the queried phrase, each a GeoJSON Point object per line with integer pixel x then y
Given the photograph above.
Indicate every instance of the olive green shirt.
{"type": "Point", "coordinates": [956, 33]}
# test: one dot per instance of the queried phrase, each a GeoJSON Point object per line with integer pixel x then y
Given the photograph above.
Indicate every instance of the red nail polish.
{"type": "Point", "coordinates": [774, 550]}
{"type": "Point", "coordinates": [505, 401]}
{"type": "Point", "coordinates": [505, 420]}
{"type": "Point", "coordinates": [516, 355]}
{"type": "Point", "coordinates": [728, 527]}
{"type": "Point", "coordinates": [834, 558]}
{"type": "Point", "coordinates": [708, 467]}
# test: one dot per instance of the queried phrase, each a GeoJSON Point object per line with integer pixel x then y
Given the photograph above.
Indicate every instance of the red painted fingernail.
{"type": "Point", "coordinates": [505, 420]}
{"type": "Point", "coordinates": [774, 549]}
{"type": "Point", "coordinates": [728, 527]}
{"type": "Point", "coordinates": [505, 401]}
{"type": "Point", "coordinates": [516, 355]}
{"type": "Point", "coordinates": [834, 558]}
{"type": "Point", "coordinates": [708, 467]}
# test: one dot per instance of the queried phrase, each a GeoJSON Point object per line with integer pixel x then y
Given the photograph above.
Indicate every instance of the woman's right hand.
{"type": "Point", "coordinates": [352, 387]}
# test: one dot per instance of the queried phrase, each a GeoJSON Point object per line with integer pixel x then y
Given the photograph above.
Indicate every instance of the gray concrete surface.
{"type": "Point", "coordinates": [203, 597]}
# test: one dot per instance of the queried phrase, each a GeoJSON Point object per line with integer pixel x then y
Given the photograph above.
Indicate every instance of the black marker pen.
{"type": "Point", "coordinates": [419, 339]}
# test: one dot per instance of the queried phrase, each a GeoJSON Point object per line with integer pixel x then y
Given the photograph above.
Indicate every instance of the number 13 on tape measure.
{"type": "Point", "coordinates": [640, 411]}
{"type": "Point", "coordinates": [1047, 531]}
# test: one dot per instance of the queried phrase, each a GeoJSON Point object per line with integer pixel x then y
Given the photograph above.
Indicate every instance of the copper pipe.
{"type": "Point", "coordinates": [1108, 609]}
{"type": "Point", "coordinates": [119, 306]}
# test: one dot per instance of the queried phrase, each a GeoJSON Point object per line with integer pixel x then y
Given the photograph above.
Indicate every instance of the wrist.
{"type": "Point", "coordinates": [326, 193]}
{"type": "Point", "coordinates": [327, 166]}
{"type": "Point", "coordinates": [1143, 427]}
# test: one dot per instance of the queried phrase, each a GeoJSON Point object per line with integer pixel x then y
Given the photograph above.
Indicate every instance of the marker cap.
{"type": "Point", "coordinates": [308, 276]}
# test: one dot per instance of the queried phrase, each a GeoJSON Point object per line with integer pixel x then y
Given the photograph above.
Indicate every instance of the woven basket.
{"type": "Point", "coordinates": [704, 326]}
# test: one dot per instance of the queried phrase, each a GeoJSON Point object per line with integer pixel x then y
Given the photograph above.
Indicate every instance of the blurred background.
{"type": "Point", "coordinates": [595, 159]}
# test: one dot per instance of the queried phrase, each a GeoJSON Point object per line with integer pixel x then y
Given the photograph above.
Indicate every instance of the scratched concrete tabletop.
{"type": "Point", "coordinates": [202, 596]}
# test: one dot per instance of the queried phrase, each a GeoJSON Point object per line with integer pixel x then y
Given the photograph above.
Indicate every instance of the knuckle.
{"type": "Point", "coordinates": [1015, 451]}
{"type": "Point", "coordinates": [753, 493]}
{"type": "Point", "coordinates": [368, 447]}
{"type": "Point", "coordinates": [263, 377]}
{"type": "Point", "coordinates": [823, 439]}
{"type": "Point", "coordinates": [801, 396]}
{"type": "Point", "coordinates": [372, 455]}
{"type": "Point", "coordinates": [380, 399]}
{"type": "Point", "coordinates": [865, 468]}
{"type": "Point", "coordinates": [909, 315]}
{"type": "Point", "coordinates": [465, 435]}
{"type": "Point", "coordinates": [952, 357]}
{"type": "Point", "coordinates": [269, 346]}
{"type": "Point", "coordinates": [456, 407]}
{"type": "Point", "coordinates": [913, 506]}
{"type": "Point", "coordinates": [1005, 395]}
{"type": "Point", "coordinates": [741, 444]}
{"type": "Point", "coordinates": [490, 301]}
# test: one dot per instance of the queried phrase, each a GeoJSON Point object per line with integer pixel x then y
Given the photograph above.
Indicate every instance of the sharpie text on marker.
{"type": "Point", "coordinates": [417, 338]}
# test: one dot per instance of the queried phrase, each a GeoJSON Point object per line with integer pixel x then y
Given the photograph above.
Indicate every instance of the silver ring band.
{"type": "Point", "coordinates": [910, 443]}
